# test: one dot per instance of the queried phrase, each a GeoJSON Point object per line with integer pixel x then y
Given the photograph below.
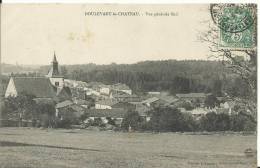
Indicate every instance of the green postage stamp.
{"type": "Point", "coordinates": [237, 25]}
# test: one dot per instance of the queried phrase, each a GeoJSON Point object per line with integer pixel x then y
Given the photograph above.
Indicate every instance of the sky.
{"type": "Point", "coordinates": [31, 33]}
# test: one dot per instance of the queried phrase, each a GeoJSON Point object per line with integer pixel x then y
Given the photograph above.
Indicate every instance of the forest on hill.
{"type": "Point", "coordinates": [168, 75]}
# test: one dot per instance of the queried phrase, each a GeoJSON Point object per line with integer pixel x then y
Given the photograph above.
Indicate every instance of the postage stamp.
{"type": "Point", "coordinates": [236, 25]}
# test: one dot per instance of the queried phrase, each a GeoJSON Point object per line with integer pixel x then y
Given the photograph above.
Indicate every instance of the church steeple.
{"type": "Point", "coordinates": [56, 79]}
{"type": "Point", "coordinates": [54, 58]}
{"type": "Point", "coordinates": [54, 71]}
{"type": "Point", "coordinates": [55, 65]}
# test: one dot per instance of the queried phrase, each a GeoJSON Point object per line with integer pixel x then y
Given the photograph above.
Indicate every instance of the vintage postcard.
{"type": "Point", "coordinates": [128, 85]}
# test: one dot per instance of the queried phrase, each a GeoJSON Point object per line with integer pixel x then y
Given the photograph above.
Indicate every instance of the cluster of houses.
{"type": "Point", "coordinates": [98, 100]}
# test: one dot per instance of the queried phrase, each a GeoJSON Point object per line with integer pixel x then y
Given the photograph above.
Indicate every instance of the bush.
{"type": "Point", "coordinates": [188, 123]}
{"type": "Point", "coordinates": [132, 119]}
{"type": "Point", "coordinates": [215, 122]}
{"type": "Point", "coordinates": [83, 117]}
{"type": "Point", "coordinates": [211, 101]}
{"type": "Point", "coordinates": [166, 119]}
{"type": "Point", "coordinates": [98, 122]}
{"type": "Point", "coordinates": [111, 121]}
{"type": "Point", "coordinates": [187, 105]}
{"type": "Point", "coordinates": [66, 123]}
{"type": "Point", "coordinates": [242, 122]}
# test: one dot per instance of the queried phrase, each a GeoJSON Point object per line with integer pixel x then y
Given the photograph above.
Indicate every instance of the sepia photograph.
{"type": "Point", "coordinates": [128, 85]}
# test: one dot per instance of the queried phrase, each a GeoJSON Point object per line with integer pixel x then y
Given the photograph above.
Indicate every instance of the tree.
{"type": "Point", "coordinates": [188, 122]}
{"type": "Point", "coordinates": [64, 71]}
{"type": "Point", "coordinates": [111, 121]}
{"type": "Point", "coordinates": [242, 122]}
{"type": "Point", "coordinates": [23, 106]}
{"type": "Point", "coordinates": [181, 85]}
{"type": "Point", "coordinates": [211, 101]}
{"type": "Point", "coordinates": [187, 105]}
{"type": "Point", "coordinates": [91, 101]}
{"type": "Point", "coordinates": [166, 119]}
{"type": "Point", "coordinates": [131, 119]}
{"type": "Point", "coordinates": [46, 114]}
{"type": "Point", "coordinates": [217, 87]}
{"type": "Point", "coordinates": [208, 122]}
{"type": "Point", "coordinates": [239, 88]}
{"type": "Point", "coordinates": [245, 68]}
{"type": "Point", "coordinates": [222, 122]}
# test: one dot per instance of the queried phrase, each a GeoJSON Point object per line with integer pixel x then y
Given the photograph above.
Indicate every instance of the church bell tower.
{"type": "Point", "coordinates": [55, 65]}
{"type": "Point", "coordinates": [56, 79]}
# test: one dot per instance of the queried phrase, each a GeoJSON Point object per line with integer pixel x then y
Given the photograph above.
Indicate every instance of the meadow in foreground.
{"type": "Point", "coordinates": [60, 148]}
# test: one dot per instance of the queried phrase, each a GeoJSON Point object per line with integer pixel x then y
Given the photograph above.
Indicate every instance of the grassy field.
{"type": "Point", "coordinates": [31, 147]}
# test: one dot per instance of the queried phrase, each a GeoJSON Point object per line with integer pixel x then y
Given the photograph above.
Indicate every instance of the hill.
{"type": "Point", "coordinates": [168, 75]}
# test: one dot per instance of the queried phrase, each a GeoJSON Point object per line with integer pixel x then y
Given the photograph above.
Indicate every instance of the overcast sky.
{"type": "Point", "coordinates": [31, 33]}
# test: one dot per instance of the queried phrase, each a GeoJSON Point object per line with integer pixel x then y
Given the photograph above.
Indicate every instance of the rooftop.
{"type": "Point", "coordinates": [121, 94]}
{"type": "Point", "coordinates": [150, 100]}
{"type": "Point", "coordinates": [120, 86]}
{"type": "Point", "coordinates": [108, 102]}
{"type": "Point", "coordinates": [191, 95]}
{"type": "Point", "coordinates": [113, 113]}
{"type": "Point", "coordinates": [64, 104]}
{"type": "Point", "coordinates": [40, 87]}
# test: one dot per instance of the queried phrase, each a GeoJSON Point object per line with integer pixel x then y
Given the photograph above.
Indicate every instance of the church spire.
{"type": "Point", "coordinates": [54, 58]}
{"type": "Point", "coordinates": [54, 71]}
{"type": "Point", "coordinates": [55, 78]}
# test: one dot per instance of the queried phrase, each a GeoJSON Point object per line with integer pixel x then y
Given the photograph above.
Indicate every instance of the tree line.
{"type": "Point", "coordinates": [169, 75]}
{"type": "Point", "coordinates": [166, 119]}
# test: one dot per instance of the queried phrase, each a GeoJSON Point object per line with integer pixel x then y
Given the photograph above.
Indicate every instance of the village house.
{"type": "Point", "coordinates": [91, 92]}
{"type": "Point", "coordinates": [116, 114]}
{"type": "Point", "coordinates": [154, 102]}
{"type": "Point", "coordinates": [81, 102]}
{"type": "Point", "coordinates": [123, 96]}
{"type": "Point", "coordinates": [143, 110]}
{"type": "Point", "coordinates": [198, 112]}
{"type": "Point", "coordinates": [124, 105]}
{"type": "Point", "coordinates": [105, 89]}
{"type": "Point", "coordinates": [76, 84]}
{"type": "Point", "coordinates": [105, 104]}
{"type": "Point", "coordinates": [226, 107]}
{"type": "Point", "coordinates": [95, 85]}
{"type": "Point", "coordinates": [68, 110]}
{"type": "Point", "coordinates": [193, 97]}
{"type": "Point", "coordinates": [63, 93]}
{"type": "Point", "coordinates": [153, 93]}
{"type": "Point", "coordinates": [121, 87]}
{"type": "Point", "coordinates": [168, 99]}
{"type": "Point", "coordinates": [78, 93]}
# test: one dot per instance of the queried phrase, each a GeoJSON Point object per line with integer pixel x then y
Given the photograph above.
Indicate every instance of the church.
{"type": "Point", "coordinates": [49, 87]}
{"type": "Point", "coordinates": [56, 79]}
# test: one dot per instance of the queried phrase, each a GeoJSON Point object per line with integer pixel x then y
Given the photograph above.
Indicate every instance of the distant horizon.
{"type": "Point", "coordinates": [179, 60]}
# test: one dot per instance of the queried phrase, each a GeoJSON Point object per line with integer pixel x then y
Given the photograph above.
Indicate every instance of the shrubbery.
{"type": "Point", "coordinates": [132, 119]}
{"type": "Point", "coordinates": [66, 123]}
{"type": "Point", "coordinates": [165, 119]}
{"type": "Point", "coordinates": [162, 118]}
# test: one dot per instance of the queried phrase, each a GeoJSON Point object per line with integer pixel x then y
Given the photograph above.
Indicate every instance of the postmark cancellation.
{"type": "Point", "coordinates": [236, 24]}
